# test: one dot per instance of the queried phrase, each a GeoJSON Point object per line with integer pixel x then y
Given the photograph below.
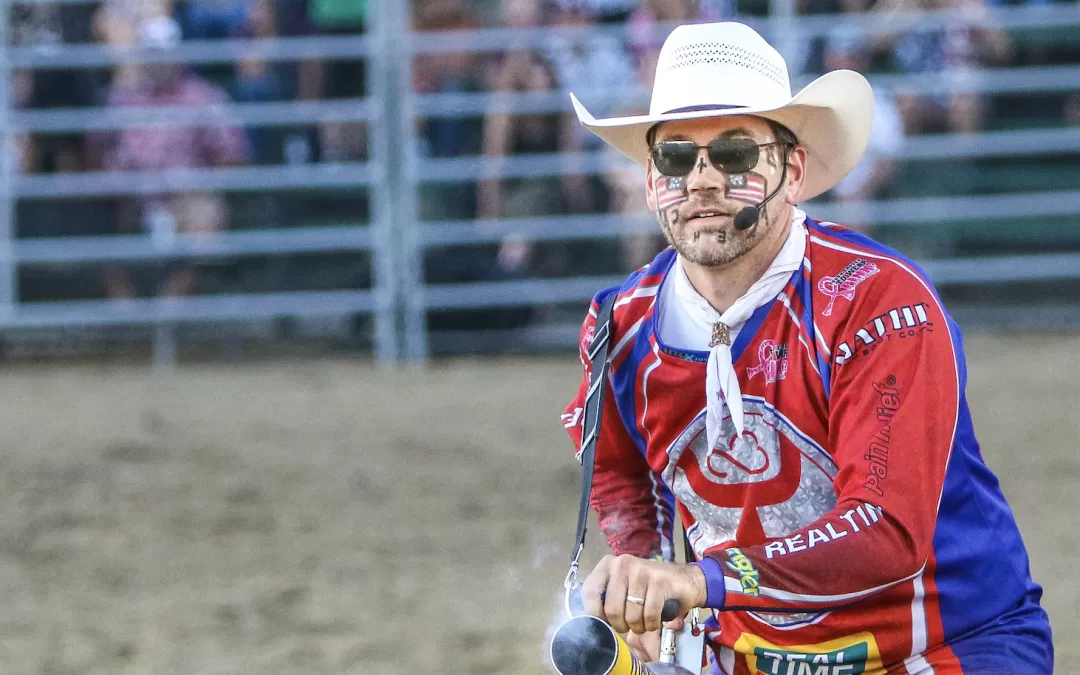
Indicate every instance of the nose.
{"type": "Point", "coordinates": [703, 175]}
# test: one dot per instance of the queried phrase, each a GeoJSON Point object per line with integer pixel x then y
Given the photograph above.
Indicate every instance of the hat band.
{"type": "Point", "coordinates": [701, 108]}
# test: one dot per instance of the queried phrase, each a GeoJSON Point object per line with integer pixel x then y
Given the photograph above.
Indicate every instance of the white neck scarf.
{"type": "Point", "coordinates": [703, 322]}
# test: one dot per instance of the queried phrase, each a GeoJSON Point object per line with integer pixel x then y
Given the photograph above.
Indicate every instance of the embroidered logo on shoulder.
{"type": "Point", "coordinates": [772, 362]}
{"type": "Point", "coordinates": [843, 285]}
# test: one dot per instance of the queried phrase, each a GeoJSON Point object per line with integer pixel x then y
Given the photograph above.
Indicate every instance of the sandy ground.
{"type": "Point", "coordinates": [329, 517]}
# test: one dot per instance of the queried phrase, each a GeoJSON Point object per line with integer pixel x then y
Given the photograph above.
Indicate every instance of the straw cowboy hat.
{"type": "Point", "coordinates": [718, 69]}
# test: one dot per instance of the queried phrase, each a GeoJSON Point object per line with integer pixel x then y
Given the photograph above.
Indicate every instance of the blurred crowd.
{"type": "Point", "coordinates": [618, 56]}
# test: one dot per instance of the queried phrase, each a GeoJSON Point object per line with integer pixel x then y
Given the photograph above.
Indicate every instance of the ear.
{"type": "Point", "coordinates": [650, 187]}
{"type": "Point", "coordinates": [796, 173]}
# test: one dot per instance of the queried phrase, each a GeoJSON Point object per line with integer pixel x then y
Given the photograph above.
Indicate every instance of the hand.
{"type": "Point", "coordinates": [615, 577]}
{"type": "Point", "coordinates": [645, 646]}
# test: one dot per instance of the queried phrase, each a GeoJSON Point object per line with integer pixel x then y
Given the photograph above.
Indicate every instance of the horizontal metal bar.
{"type": "Point", "coordinates": [995, 269]}
{"type": "Point", "coordinates": [1026, 318]}
{"type": "Point", "coordinates": [477, 104]}
{"type": "Point", "coordinates": [197, 308]}
{"type": "Point", "coordinates": [522, 293]}
{"type": "Point", "coordinates": [246, 178]}
{"type": "Point", "coordinates": [950, 272]}
{"type": "Point", "coordinates": [986, 81]}
{"type": "Point", "coordinates": [562, 228]}
{"type": "Point", "coordinates": [527, 340]}
{"type": "Point", "coordinates": [982, 81]}
{"type": "Point", "coordinates": [347, 237]}
{"type": "Point", "coordinates": [1023, 142]}
{"type": "Point", "coordinates": [276, 113]}
{"type": "Point", "coordinates": [193, 52]}
{"type": "Point", "coordinates": [872, 23]}
{"type": "Point", "coordinates": [1028, 16]}
{"type": "Point", "coordinates": [564, 335]}
{"type": "Point", "coordinates": [918, 211]}
{"type": "Point", "coordinates": [457, 169]}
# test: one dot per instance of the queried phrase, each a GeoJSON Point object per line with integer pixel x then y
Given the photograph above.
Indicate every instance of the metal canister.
{"type": "Point", "coordinates": [586, 645]}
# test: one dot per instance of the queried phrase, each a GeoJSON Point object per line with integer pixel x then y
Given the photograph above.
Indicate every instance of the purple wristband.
{"type": "Point", "coordinates": [716, 593]}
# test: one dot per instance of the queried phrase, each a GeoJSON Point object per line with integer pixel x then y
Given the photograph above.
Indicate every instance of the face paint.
{"type": "Point", "coordinates": [701, 165]}
{"type": "Point", "coordinates": [670, 192]}
{"type": "Point", "coordinates": [747, 187]}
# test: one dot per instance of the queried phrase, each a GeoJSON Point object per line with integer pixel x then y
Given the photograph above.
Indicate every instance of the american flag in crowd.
{"type": "Point", "coordinates": [749, 187]}
{"type": "Point", "coordinates": [669, 191]}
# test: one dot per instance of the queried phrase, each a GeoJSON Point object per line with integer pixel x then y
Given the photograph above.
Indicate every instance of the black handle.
{"type": "Point", "coordinates": [671, 610]}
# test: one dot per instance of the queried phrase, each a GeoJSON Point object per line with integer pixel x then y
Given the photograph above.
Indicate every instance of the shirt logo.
{"type": "Point", "coordinates": [856, 654]}
{"type": "Point", "coordinates": [772, 362]}
{"type": "Point", "coordinates": [843, 285]}
{"type": "Point", "coordinates": [744, 567]}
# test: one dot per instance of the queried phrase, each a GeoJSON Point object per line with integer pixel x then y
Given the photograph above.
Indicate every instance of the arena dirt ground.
{"type": "Point", "coordinates": [330, 517]}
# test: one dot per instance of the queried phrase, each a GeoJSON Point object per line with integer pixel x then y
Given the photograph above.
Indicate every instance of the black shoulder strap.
{"type": "Point", "coordinates": [592, 416]}
{"type": "Point", "coordinates": [593, 413]}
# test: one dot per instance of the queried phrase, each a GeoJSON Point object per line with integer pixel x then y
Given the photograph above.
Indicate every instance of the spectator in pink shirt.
{"type": "Point", "coordinates": [174, 147]}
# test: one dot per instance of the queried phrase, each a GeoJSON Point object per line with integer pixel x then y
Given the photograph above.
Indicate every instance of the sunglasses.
{"type": "Point", "coordinates": [730, 155]}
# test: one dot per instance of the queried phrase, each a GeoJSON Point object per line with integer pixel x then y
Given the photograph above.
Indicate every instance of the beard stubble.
{"type": "Point", "coordinates": [727, 246]}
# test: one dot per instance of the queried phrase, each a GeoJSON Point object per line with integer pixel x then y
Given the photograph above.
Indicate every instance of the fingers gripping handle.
{"type": "Point", "coordinates": [671, 610]}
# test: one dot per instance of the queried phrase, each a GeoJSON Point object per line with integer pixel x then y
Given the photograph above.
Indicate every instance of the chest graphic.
{"type": "Point", "coordinates": [771, 483]}
{"type": "Point", "coordinates": [772, 362]}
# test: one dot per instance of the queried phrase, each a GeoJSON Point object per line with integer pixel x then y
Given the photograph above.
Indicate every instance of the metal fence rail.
{"type": "Point", "coordinates": [396, 238]}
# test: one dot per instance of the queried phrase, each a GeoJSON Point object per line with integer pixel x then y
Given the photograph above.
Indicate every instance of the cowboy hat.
{"type": "Point", "coordinates": [719, 69]}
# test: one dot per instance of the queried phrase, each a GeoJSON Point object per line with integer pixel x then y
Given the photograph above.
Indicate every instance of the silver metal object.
{"type": "Point", "coordinates": [668, 644]}
{"type": "Point", "coordinates": [635, 599]}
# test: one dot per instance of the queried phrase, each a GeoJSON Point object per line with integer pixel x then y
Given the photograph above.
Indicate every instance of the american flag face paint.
{"type": "Point", "coordinates": [670, 194]}
{"type": "Point", "coordinates": [746, 187]}
{"type": "Point", "coordinates": [670, 191]}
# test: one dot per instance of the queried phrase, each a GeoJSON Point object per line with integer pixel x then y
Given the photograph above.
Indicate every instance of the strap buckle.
{"type": "Point", "coordinates": [571, 597]}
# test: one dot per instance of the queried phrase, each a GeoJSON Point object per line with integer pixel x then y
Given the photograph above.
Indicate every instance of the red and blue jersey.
{"type": "Point", "coordinates": [859, 530]}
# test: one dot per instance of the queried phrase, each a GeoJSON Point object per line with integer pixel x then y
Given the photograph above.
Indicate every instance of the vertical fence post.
{"type": "Point", "coordinates": [381, 67]}
{"type": "Point", "coordinates": [408, 211]}
{"type": "Point", "coordinates": [7, 174]}
{"type": "Point", "coordinates": [784, 32]}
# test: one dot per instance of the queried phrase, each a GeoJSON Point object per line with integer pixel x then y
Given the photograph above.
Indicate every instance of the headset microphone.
{"type": "Point", "coordinates": [747, 217]}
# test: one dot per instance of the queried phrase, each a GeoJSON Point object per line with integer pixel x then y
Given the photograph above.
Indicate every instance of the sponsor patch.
{"type": "Point", "coordinates": [900, 323]}
{"type": "Point", "coordinates": [861, 517]}
{"type": "Point", "coordinates": [748, 574]}
{"type": "Point", "coordinates": [851, 655]}
{"type": "Point", "coordinates": [877, 452]}
{"type": "Point", "coordinates": [843, 285]}
{"type": "Point", "coordinates": [772, 362]}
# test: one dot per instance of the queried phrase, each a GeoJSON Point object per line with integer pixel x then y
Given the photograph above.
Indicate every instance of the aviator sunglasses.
{"type": "Point", "coordinates": [730, 155]}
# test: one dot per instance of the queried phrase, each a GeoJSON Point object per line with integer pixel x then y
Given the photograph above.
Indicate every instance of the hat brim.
{"type": "Point", "coordinates": [831, 117]}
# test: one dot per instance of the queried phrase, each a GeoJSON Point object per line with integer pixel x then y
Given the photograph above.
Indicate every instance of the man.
{"type": "Point", "coordinates": [217, 143]}
{"type": "Point", "coordinates": [796, 391]}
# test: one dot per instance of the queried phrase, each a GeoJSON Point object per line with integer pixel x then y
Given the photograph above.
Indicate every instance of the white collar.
{"type": "Point", "coordinates": [693, 329]}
